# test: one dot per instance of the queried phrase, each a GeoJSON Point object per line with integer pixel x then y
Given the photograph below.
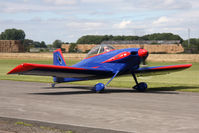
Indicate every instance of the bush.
{"type": "Point", "coordinates": [73, 48]}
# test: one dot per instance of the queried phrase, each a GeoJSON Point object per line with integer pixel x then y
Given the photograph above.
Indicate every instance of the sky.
{"type": "Point", "coordinates": [67, 20]}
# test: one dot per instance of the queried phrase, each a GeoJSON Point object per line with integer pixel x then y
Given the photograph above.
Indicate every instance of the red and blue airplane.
{"type": "Point", "coordinates": [103, 61]}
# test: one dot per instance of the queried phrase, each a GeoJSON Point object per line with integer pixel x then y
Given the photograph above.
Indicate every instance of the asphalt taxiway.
{"type": "Point", "coordinates": [116, 109]}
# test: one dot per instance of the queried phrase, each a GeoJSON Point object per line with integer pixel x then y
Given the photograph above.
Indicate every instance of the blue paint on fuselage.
{"type": "Point", "coordinates": [124, 65]}
{"type": "Point", "coordinates": [130, 62]}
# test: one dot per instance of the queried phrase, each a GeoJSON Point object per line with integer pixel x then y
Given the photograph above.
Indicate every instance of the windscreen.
{"type": "Point", "coordinates": [100, 49]}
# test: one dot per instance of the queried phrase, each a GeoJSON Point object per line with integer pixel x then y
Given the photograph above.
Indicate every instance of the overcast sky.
{"type": "Point", "coordinates": [67, 20]}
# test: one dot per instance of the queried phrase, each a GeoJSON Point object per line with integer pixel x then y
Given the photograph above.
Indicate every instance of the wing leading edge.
{"type": "Point", "coordinates": [59, 71]}
{"type": "Point", "coordinates": [158, 70]}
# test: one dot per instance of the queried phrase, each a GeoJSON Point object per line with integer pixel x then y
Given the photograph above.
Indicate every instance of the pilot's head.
{"type": "Point", "coordinates": [106, 49]}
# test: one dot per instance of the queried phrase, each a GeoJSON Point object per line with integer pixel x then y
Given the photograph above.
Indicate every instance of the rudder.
{"type": "Point", "coordinates": [58, 58]}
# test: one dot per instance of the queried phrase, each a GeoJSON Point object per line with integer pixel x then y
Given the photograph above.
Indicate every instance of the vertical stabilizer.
{"type": "Point", "coordinates": [58, 58]}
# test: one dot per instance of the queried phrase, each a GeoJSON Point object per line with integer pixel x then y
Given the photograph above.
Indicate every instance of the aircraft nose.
{"type": "Point", "coordinates": [142, 52]}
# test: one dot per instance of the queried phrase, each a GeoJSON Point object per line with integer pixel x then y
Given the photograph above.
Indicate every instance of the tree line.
{"type": "Point", "coordinates": [191, 45]}
{"type": "Point", "coordinates": [98, 39]}
{"type": "Point", "coordinates": [18, 34]}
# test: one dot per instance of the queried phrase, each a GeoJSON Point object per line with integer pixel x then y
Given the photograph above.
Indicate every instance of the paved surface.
{"type": "Point", "coordinates": [117, 109]}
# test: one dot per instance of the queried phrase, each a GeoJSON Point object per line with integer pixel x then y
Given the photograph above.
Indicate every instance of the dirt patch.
{"type": "Point", "coordinates": [13, 125]}
{"type": "Point", "coordinates": [173, 57]}
{"type": "Point", "coordinates": [40, 56]}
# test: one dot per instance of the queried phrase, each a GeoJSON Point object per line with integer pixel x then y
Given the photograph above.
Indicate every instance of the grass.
{"type": "Point", "coordinates": [21, 123]}
{"type": "Point", "coordinates": [187, 80]}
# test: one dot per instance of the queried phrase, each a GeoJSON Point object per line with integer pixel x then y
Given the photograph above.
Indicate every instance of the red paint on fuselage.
{"type": "Point", "coordinates": [117, 57]}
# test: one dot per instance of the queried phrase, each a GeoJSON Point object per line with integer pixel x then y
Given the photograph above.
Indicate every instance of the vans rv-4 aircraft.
{"type": "Point", "coordinates": [103, 61]}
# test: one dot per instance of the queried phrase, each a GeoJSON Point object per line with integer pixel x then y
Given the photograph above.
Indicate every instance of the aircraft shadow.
{"type": "Point", "coordinates": [73, 87]}
{"type": "Point", "coordinates": [174, 88]}
{"type": "Point", "coordinates": [87, 90]}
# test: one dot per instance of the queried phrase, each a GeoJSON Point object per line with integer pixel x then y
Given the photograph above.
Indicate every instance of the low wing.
{"type": "Point", "coordinates": [59, 71]}
{"type": "Point", "coordinates": [158, 70]}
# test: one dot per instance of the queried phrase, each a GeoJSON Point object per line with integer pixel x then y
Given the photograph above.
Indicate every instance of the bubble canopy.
{"type": "Point", "coordinates": [103, 48]}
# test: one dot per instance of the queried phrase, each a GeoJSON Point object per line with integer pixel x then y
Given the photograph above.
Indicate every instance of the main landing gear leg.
{"type": "Point", "coordinates": [53, 85]}
{"type": "Point", "coordinates": [99, 87]}
{"type": "Point", "coordinates": [141, 87]}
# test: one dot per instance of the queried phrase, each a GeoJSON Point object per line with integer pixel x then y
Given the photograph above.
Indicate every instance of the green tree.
{"type": "Point", "coordinates": [92, 39]}
{"type": "Point", "coordinates": [97, 39]}
{"type": "Point", "coordinates": [36, 44]}
{"type": "Point", "coordinates": [73, 48]}
{"type": "Point", "coordinates": [194, 44]}
{"type": "Point", "coordinates": [27, 44]}
{"type": "Point", "coordinates": [43, 44]}
{"type": "Point", "coordinates": [57, 44]}
{"type": "Point", "coordinates": [50, 46]}
{"type": "Point", "coordinates": [161, 36]}
{"type": "Point", "coordinates": [12, 34]}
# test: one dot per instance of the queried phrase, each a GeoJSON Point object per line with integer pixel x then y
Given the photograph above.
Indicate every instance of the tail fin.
{"type": "Point", "coordinates": [58, 58]}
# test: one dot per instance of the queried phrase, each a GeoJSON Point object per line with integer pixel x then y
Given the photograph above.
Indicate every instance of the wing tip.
{"type": "Point", "coordinates": [184, 65]}
{"type": "Point", "coordinates": [21, 68]}
{"type": "Point", "coordinates": [189, 65]}
{"type": "Point", "coordinates": [16, 69]}
{"type": "Point", "coordinates": [181, 66]}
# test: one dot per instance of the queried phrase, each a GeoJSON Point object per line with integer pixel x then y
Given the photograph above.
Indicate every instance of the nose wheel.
{"type": "Point", "coordinates": [99, 87]}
